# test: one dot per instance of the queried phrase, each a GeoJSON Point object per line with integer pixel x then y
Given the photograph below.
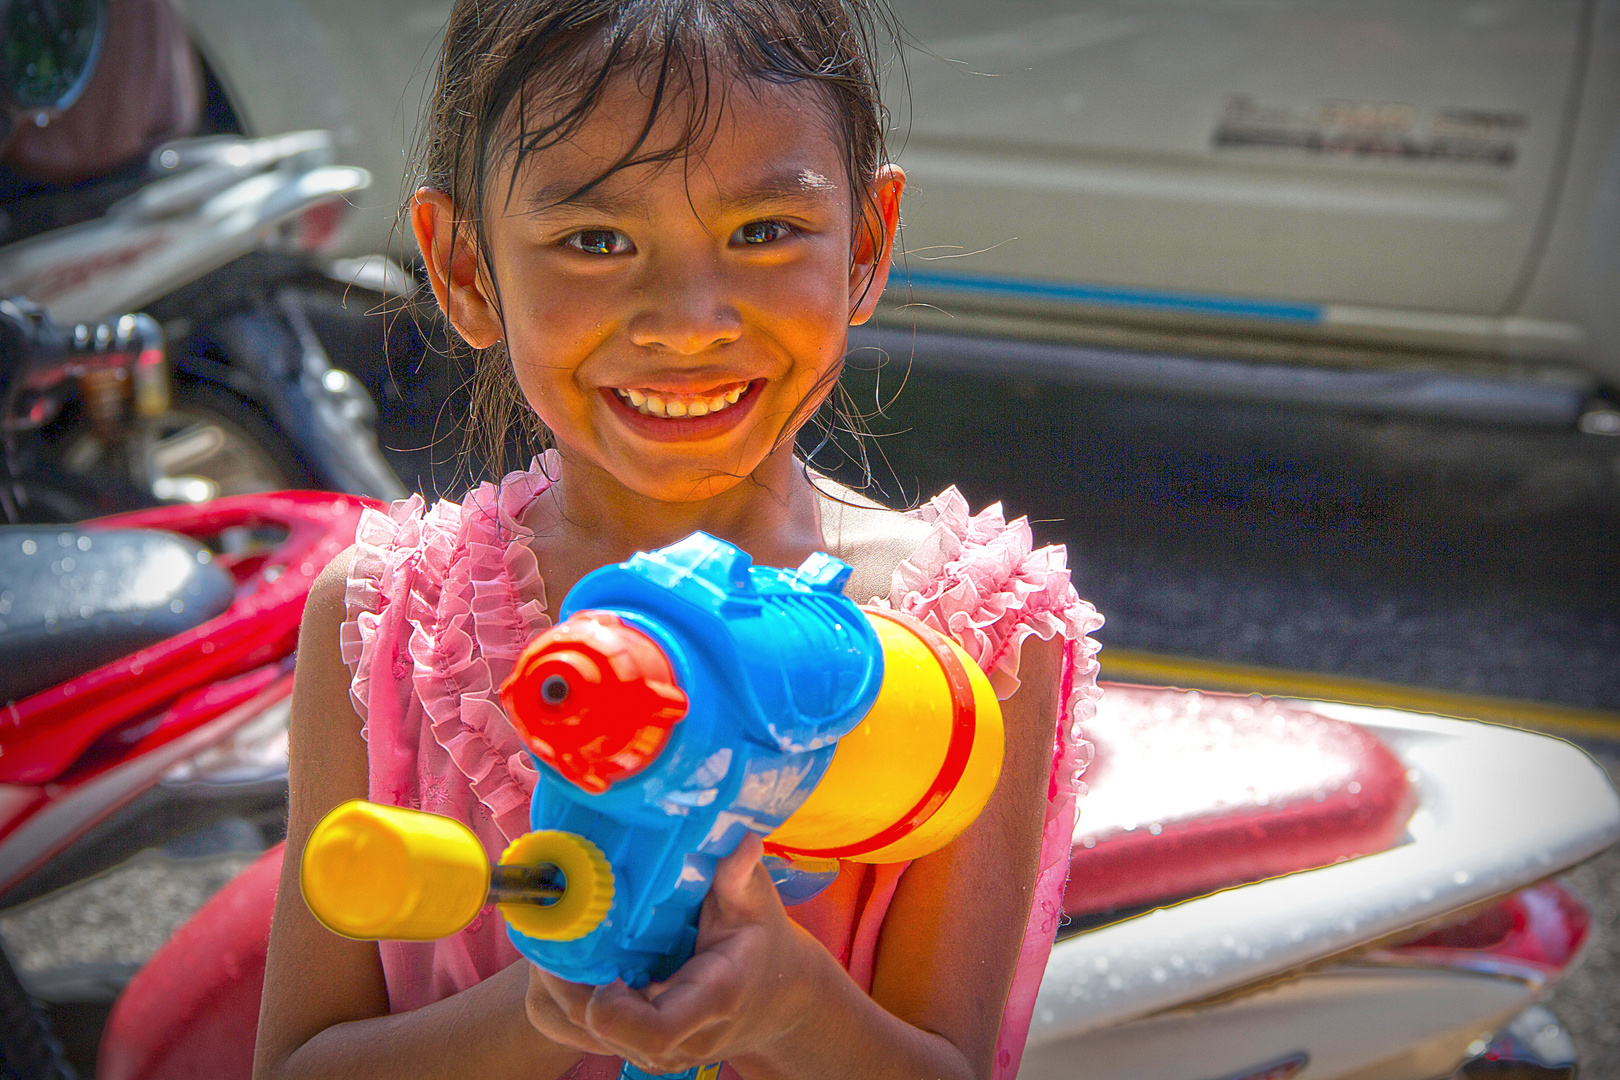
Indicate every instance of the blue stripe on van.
{"type": "Point", "coordinates": [1114, 296]}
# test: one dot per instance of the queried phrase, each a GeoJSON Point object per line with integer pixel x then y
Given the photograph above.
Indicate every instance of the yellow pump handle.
{"type": "Point", "coordinates": [386, 872]}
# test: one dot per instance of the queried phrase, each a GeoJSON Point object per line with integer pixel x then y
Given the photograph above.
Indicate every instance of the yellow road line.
{"type": "Point", "coordinates": [1128, 665]}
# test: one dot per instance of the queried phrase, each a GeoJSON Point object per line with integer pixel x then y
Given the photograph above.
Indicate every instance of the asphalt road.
{"type": "Point", "coordinates": [1432, 554]}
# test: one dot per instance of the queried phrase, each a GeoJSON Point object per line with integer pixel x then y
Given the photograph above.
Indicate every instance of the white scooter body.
{"type": "Point", "coordinates": [1288, 977]}
{"type": "Point", "coordinates": [226, 197]}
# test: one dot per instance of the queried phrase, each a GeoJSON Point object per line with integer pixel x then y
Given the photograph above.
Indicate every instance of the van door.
{"type": "Point", "coordinates": [1367, 152]}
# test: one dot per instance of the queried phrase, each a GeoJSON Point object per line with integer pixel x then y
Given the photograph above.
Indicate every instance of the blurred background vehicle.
{"type": "Point", "coordinates": [1350, 184]}
{"type": "Point", "coordinates": [223, 240]}
{"type": "Point", "coordinates": [1359, 185]}
{"type": "Point", "coordinates": [147, 672]}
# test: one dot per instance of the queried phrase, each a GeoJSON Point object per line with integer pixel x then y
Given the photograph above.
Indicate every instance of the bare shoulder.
{"type": "Point", "coordinates": [325, 607]}
{"type": "Point", "coordinates": [871, 537]}
{"type": "Point", "coordinates": [326, 745]}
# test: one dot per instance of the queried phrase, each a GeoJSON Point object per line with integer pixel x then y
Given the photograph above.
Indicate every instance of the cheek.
{"type": "Point", "coordinates": [548, 340]}
{"type": "Point", "coordinates": [545, 358]}
{"type": "Point", "coordinates": [813, 301]}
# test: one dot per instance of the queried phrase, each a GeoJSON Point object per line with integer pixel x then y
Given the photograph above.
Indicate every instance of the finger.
{"type": "Point", "coordinates": [659, 1053]}
{"type": "Point", "coordinates": [571, 999]}
{"type": "Point", "coordinates": [735, 876]}
{"type": "Point", "coordinates": [549, 1001]}
{"type": "Point", "coordinates": [548, 1020]}
{"type": "Point", "coordinates": [701, 995]}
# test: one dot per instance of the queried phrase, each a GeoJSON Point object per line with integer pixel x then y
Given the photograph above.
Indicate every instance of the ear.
{"type": "Point", "coordinates": [454, 269]}
{"type": "Point", "coordinates": [872, 253]}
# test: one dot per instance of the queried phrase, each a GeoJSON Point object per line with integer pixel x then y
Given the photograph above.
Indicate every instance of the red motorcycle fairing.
{"type": "Point", "coordinates": [1190, 792]}
{"type": "Point", "coordinates": [74, 753]}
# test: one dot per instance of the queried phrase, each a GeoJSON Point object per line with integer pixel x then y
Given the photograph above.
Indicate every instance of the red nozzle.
{"type": "Point", "coordinates": [594, 699]}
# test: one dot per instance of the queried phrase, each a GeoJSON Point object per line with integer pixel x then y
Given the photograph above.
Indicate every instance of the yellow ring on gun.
{"type": "Point", "coordinates": [587, 891]}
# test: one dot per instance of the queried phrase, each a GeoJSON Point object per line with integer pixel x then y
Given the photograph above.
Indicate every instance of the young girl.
{"type": "Point", "coordinates": [656, 220]}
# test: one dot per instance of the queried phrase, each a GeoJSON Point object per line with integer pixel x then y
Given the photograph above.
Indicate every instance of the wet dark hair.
{"type": "Point", "coordinates": [502, 58]}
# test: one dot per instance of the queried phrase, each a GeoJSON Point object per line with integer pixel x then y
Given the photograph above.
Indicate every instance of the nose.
{"type": "Point", "coordinates": [686, 311]}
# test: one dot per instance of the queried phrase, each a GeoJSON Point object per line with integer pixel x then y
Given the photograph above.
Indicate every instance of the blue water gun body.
{"type": "Point", "coordinates": [774, 666]}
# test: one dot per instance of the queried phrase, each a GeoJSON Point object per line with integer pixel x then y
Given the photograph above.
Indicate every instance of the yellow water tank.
{"type": "Point", "coordinates": [918, 769]}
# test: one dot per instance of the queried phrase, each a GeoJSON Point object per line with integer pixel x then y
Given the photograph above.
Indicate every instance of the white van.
{"type": "Point", "coordinates": [1397, 204]}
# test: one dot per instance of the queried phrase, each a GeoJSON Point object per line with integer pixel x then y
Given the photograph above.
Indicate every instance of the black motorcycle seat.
{"type": "Point", "coordinates": [71, 600]}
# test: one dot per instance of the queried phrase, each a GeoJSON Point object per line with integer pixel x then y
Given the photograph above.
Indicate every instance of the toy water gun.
{"type": "Point", "coordinates": [685, 698]}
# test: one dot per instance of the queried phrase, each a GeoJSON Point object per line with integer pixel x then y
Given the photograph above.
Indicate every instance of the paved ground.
{"type": "Point", "coordinates": [1586, 1001]}
{"type": "Point", "coordinates": [1446, 555]}
{"type": "Point", "coordinates": [1442, 555]}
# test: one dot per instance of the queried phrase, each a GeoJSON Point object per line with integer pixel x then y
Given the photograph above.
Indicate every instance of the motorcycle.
{"type": "Point", "coordinates": [1259, 889]}
{"type": "Point", "coordinates": [218, 252]}
{"type": "Point", "coordinates": [148, 682]}
{"type": "Point", "coordinates": [1264, 889]}
{"type": "Point", "coordinates": [225, 242]}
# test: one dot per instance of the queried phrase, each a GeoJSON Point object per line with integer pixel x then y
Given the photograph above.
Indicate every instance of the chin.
{"type": "Point", "coordinates": [681, 485]}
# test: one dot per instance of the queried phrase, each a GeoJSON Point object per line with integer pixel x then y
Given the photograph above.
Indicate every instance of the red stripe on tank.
{"type": "Point", "coordinates": [964, 721]}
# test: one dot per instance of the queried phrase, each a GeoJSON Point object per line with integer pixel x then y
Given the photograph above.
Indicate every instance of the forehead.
{"type": "Point", "coordinates": [717, 139]}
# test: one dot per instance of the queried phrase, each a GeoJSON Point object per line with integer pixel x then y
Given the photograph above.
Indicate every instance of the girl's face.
{"type": "Point", "coordinates": [676, 323]}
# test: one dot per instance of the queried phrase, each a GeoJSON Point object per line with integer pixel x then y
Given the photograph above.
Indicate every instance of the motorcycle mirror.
{"type": "Point", "coordinates": [48, 51]}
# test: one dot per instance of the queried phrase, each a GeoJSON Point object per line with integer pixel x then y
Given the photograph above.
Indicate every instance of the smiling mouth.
{"type": "Point", "coordinates": [668, 405]}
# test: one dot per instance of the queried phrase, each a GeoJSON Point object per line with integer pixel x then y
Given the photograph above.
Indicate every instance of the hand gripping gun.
{"type": "Point", "coordinates": [685, 698]}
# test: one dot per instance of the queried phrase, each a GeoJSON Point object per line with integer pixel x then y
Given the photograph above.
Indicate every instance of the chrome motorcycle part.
{"type": "Point", "coordinates": [212, 443]}
{"type": "Point", "coordinates": [1533, 1046]}
{"type": "Point", "coordinates": [43, 368]}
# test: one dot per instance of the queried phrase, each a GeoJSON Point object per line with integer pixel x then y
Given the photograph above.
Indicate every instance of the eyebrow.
{"type": "Point", "coordinates": [788, 185]}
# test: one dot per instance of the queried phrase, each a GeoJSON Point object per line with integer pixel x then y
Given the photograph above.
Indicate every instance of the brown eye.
{"type": "Point", "coordinates": [601, 242]}
{"type": "Point", "coordinates": [762, 232]}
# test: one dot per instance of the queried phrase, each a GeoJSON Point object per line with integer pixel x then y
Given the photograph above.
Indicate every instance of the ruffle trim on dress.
{"type": "Point", "coordinates": [492, 600]}
{"type": "Point", "coordinates": [383, 543]}
{"type": "Point", "coordinates": [474, 598]}
{"type": "Point", "coordinates": [981, 580]}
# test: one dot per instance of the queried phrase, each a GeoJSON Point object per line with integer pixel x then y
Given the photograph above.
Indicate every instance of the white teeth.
{"type": "Point", "coordinates": [652, 404]}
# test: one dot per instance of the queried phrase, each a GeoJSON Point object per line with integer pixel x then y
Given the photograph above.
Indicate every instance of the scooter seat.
{"type": "Point", "coordinates": [1194, 792]}
{"type": "Point", "coordinates": [71, 601]}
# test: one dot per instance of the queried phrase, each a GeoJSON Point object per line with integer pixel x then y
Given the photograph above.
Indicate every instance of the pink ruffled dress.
{"type": "Point", "coordinates": [441, 602]}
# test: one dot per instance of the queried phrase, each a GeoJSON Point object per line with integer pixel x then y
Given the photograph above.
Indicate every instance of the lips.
{"type": "Point", "coordinates": [693, 415]}
{"type": "Point", "coordinates": [675, 404]}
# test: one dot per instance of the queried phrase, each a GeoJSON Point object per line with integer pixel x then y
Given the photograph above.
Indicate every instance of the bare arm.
{"type": "Point", "coordinates": [325, 1007]}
